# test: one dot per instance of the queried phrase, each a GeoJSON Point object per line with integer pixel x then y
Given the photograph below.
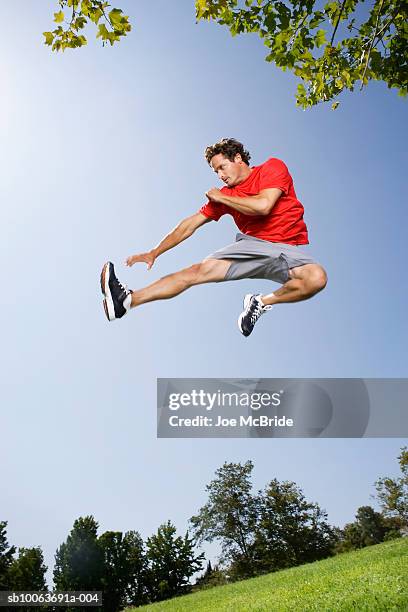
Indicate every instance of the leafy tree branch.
{"type": "Point", "coordinates": [111, 27]}
{"type": "Point", "coordinates": [299, 35]}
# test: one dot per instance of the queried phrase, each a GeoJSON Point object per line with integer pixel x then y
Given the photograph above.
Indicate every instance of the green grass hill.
{"type": "Point", "coordinates": [372, 579]}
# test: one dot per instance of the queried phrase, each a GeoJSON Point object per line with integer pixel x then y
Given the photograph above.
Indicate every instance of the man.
{"type": "Point", "coordinates": [263, 203]}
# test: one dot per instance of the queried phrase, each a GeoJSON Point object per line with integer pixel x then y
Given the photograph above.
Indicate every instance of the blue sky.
{"type": "Point", "coordinates": [102, 154]}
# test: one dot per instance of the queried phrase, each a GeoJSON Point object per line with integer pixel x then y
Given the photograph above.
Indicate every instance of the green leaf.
{"type": "Point", "coordinates": [49, 38]}
{"type": "Point", "coordinates": [332, 9]}
{"type": "Point", "coordinates": [320, 38]}
{"type": "Point", "coordinates": [80, 23]}
{"type": "Point", "coordinates": [59, 17]}
{"type": "Point", "coordinates": [116, 18]}
{"type": "Point", "coordinates": [85, 7]}
{"type": "Point", "coordinates": [335, 105]}
{"type": "Point", "coordinates": [316, 20]}
{"type": "Point", "coordinates": [201, 9]}
{"type": "Point", "coordinates": [95, 15]}
{"type": "Point", "coordinates": [103, 32]}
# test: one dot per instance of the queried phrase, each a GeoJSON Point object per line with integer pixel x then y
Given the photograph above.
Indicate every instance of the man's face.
{"type": "Point", "coordinates": [230, 172]}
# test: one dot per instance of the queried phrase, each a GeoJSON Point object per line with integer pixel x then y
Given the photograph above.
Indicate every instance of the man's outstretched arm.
{"type": "Point", "coordinates": [183, 230]}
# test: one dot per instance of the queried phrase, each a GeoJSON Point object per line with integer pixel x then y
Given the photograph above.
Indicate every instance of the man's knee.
{"type": "Point", "coordinates": [206, 271]}
{"type": "Point", "coordinates": [316, 279]}
{"type": "Point", "coordinates": [189, 275]}
{"type": "Point", "coordinates": [198, 272]}
{"type": "Point", "coordinates": [312, 278]}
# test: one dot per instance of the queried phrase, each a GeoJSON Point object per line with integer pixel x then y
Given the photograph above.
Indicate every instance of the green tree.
{"type": "Point", "coordinates": [79, 562]}
{"type": "Point", "coordinates": [392, 493]}
{"type": "Point", "coordinates": [349, 538]}
{"type": "Point", "coordinates": [172, 562]}
{"type": "Point", "coordinates": [374, 527]}
{"type": "Point", "coordinates": [213, 576]}
{"type": "Point", "coordinates": [261, 532]}
{"type": "Point", "coordinates": [370, 527]}
{"type": "Point", "coordinates": [230, 515]}
{"type": "Point", "coordinates": [27, 571]}
{"type": "Point", "coordinates": [290, 530]}
{"type": "Point", "coordinates": [124, 576]}
{"type": "Point", "coordinates": [6, 557]}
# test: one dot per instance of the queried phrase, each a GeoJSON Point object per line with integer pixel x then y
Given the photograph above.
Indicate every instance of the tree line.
{"type": "Point", "coordinates": [262, 532]}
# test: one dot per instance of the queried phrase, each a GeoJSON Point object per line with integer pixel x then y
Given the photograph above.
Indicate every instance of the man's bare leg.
{"type": "Point", "coordinates": [305, 281]}
{"type": "Point", "coordinates": [208, 271]}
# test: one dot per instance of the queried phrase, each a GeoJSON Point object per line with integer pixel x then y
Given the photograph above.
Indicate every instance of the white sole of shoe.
{"type": "Point", "coordinates": [247, 299]}
{"type": "Point", "coordinates": [107, 302]}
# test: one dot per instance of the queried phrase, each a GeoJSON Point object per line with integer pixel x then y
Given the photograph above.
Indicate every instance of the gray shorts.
{"type": "Point", "coordinates": [256, 258]}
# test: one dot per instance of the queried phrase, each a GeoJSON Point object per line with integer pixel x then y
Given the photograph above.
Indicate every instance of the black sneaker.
{"type": "Point", "coordinates": [117, 296]}
{"type": "Point", "coordinates": [253, 309]}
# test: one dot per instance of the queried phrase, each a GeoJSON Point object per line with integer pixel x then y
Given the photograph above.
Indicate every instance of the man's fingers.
{"type": "Point", "coordinates": [139, 258]}
{"type": "Point", "coordinates": [130, 261]}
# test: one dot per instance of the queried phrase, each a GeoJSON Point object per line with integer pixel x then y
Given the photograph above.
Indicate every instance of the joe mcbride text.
{"type": "Point", "coordinates": [242, 421]}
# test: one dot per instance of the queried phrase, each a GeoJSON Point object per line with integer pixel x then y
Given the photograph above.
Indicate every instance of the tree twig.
{"type": "Point", "coordinates": [337, 22]}
{"type": "Point", "coordinates": [292, 40]}
{"type": "Point", "coordinates": [371, 44]}
{"type": "Point", "coordinates": [107, 18]}
{"type": "Point", "coordinates": [385, 26]}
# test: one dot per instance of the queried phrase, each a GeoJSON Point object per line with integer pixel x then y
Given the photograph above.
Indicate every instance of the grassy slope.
{"type": "Point", "coordinates": [371, 579]}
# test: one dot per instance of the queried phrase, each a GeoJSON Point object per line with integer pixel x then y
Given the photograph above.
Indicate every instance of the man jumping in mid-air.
{"type": "Point", "coordinates": [263, 204]}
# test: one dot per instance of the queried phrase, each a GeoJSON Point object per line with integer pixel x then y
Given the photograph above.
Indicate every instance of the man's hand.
{"type": "Point", "coordinates": [148, 258]}
{"type": "Point", "coordinates": [215, 195]}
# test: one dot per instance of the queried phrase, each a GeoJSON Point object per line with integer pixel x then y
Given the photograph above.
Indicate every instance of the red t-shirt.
{"type": "Point", "coordinates": [285, 221]}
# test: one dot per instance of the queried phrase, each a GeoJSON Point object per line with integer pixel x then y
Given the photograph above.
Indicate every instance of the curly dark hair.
{"type": "Point", "coordinates": [229, 147]}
